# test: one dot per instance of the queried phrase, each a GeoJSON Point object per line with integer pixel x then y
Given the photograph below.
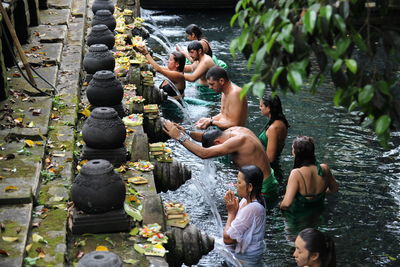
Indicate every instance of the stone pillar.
{"type": "Point", "coordinates": [21, 21]}
{"type": "Point", "coordinates": [33, 6]}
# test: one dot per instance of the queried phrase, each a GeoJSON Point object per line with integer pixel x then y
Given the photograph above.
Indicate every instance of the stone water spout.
{"type": "Point", "coordinates": [170, 176]}
{"type": "Point", "coordinates": [98, 193]}
{"type": "Point", "coordinates": [104, 134]}
{"type": "Point", "coordinates": [187, 246]}
{"type": "Point", "coordinates": [105, 90]}
{"type": "Point", "coordinates": [105, 17]}
{"type": "Point", "coordinates": [103, 4]}
{"type": "Point", "coordinates": [100, 34]}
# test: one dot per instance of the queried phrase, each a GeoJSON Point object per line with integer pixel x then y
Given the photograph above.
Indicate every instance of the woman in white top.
{"type": "Point", "coordinates": [245, 226]}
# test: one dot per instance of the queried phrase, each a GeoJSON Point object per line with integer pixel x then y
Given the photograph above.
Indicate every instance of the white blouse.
{"type": "Point", "coordinates": [248, 228]}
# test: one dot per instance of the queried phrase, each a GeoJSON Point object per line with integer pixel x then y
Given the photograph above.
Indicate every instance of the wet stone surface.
{"type": "Point", "coordinates": [16, 220]}
{"type": "Point", "coordinates": [41, 54]}
{"type": "Point", "coordinates": [59, 4]}
{"type": "Point", "coordinates": [49, 73]}
{"type": "Point", "coordinates": [54, 16]}
{"type": "Point", "coordinates": [50, 34]}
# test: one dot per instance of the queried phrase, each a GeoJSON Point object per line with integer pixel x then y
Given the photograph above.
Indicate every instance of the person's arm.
{"type": "Point", "coordinates": [291, 190]}
{"type": "Point", "coordinates": [232, 206]}
{"type": "Point", "coordinates": [191, 67]}
{"type": "Point", "coordinates": [272, 145]}
{"type": "Point", "coordinates": [185, 53]}
{"type": "Point", "coordinates": [199, 70]}
{"type": "Point", "coordinates": [333, 186]}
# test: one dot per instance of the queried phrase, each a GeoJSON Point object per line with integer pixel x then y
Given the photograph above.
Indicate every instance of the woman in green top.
{"type": "Point", "coordinates": [308, 181]}
{"type": "Point", "coordinates": [274, 132]}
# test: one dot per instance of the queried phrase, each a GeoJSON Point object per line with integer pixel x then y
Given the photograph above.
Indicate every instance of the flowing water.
{"type": "Point", "coordinates": [161, 42]}
{"type": "Point", "coordinates": [363, 217]}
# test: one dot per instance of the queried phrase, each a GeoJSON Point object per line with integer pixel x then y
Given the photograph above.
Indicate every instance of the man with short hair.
{"type": "Point", "coordinates": [233, 108]}
{"type": "Point", "coordinates": [201, 65]}
{"type": "Point", "coordinates": [240, 142]}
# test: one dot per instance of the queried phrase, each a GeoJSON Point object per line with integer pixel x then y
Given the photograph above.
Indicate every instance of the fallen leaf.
{"type": "Point", "coordinates": [56, 199]}
{"type": "Point", "coordinates": [59, 155]}
{"type": "Point", "coordinates": [29, 143]}
{"type": "Point", "coordinates": [39, 143]}
{"type": "Point", "coordinates": [11, 188]}
{"type": "Point", "coordinates": [35, 224]}
{"type": "Point", "coordinates": [28, 247]}
{"type": "Point", "coordinates": [41, 253]}
{"type": "Point", "coordinates": [86, 112]}
{"type": "Point", "coordinates": [80, 254]}
{"type": "Point", "coordinates": [18, 120]}
{"type": "Point", "coordinates": [9, 238]}
{"type": "Point", "coordinates": [16, 75]}
{"type": "Point", "coordinates": [31, 125]}
{"type": "Point", "coordinates": [101, 248]}
{"type": "Point", "coordinates": [134, 231]}
{"type": "Point", "coordinates": [131, 261]}
{"type": "Point", "coordinates": [2, 177]}
{"type": "Point", "coordinates": [37, 238]}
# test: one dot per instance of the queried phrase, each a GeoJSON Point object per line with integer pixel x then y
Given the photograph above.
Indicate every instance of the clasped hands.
{"type": "Point", "coordinates": [231, 202]}
{"type": "Point", "coordinates": [174, 130]}
{"type": "Point", "coordinates": [204, 123]}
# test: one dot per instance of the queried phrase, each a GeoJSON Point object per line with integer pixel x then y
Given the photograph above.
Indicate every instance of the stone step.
{"type": "Point", "coordinates": [59, 4]}
{"type": "Point", "coordinates": [16, 221]}
{"type": "Point", "coordinates": [51, 225]}
{"type": "Point", "coordinates": [49, 33]}
{"type": "Point", "coordinates": [43, 54]}
{"type": "Point", "coordinates": [54, 16]}
{"type": "Point", "coordinates": [48, 73]}
{"type": "Point", "coordinates": [21, 172]}
{"type": "Point", "coordinates": [32, 112]}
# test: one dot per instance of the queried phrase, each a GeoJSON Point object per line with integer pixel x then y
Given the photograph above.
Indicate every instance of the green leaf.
{"type": "Point", "coordinates": [336, 66]}
{"type": "Point", "coordinates": [260, 56]}
{"type": "Point", "coordinates": [330, 52]}
{"type": "Point", "coordinates": [295, 80]}
{"type": "Point", "coordinates": [338, 96]}
{"type": "Point", "coordinates": [134, 231]}
{"type": "Point", "coordinates": [309, 20]}
{"type": "Point", "coordinates": [351, 65]}
{"type": "Point", "coordinates": [271, 41]}
{"type": "Point", "coordinates": [258, 89]}
{"type": "Point", "coordinates": [382, 124]}
{"type": "Point", "coordinates": [366, 94]}
{"type": "Point", "coordinates": [339, 22]}
{"type": "Point", "coordinates": [132, 261]}
{"type": "Point", "coordinates": [233, 47]}
{"type": "Point", "coordinates": [342, 45]}
{"type": "Point", "coordinates": [358, 40]}
{"type": "Point", "coordinates": [245, 89]}
{"type": "Point", "coordinates": [270, 18]}
{"type": "Point", "coordinates": [28, 261]}
{"type": "Point", "coordinates": [326, 12]}
{"type": "Point", "coordinates": [138, 248]}
{"type": "Point", "coordinates": [276, 76]}
{"type": "Point", "coordinates": [352, 106]}
{"type": "Point", "coordinates": [383, 87]}
{"type": "Point", "coordinates": [315, 7]}
{"type": "Point", "coordinates": [250, 60]}
{"type": "Point", "coordinates": [233, 19]}
{"type": "Point", "coordinates": [134, 213]}
{"type": "Point", "coordinates": [242, 41]}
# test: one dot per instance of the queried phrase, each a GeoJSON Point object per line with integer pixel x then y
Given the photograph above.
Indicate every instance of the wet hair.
{"type": "Point", "coordinates": [254, 176]}
{"type": "Point", "coordinates": [275, 106]}
{"type": "Point", "coordinates": [180, 58]}
{"type": "Point", "coordinates": [209, 137]}
{"type": "Point", "coordinates": [318, 242]}
{"type": "Point", "coordinates": [217, 73]}
{"type": "Point", "coordinates": [193, 28]}
{"type": "Point", "coordinates": [304, 151]}
{"type": "Point", "coordinates": [195, 45]}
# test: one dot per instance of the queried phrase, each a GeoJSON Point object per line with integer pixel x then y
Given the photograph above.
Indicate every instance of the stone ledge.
{"type": "Point", "coordinates": [50, 34]}
{"type": "Point", "coordinates": [54, 16]}
{"type": "Point", "coordinates": [16, 220]}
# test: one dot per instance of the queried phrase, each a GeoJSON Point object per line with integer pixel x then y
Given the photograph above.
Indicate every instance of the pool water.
{"type": "Point", "coordinates": [363, 217]}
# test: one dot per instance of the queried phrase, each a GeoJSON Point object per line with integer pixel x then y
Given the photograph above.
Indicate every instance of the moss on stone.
{"type": "Point", "coordinates": [11, 229]}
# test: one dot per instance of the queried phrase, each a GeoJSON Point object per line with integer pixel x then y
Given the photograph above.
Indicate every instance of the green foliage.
{"type": "Point", "coordinates": [279, 37]}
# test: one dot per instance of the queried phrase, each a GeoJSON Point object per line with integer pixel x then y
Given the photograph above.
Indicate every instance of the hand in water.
{"type": "Point", "coordinates": [171, 129]}
{"type": "Point", "coordinates": [203, 123]}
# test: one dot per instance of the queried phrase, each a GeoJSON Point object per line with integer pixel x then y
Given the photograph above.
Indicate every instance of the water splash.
{"type": "Point", "coordinates": [158, 31]}
{"type": "Point", "coordinates": [184, 110]}
{"type": "Point", "coordinates": [161, 42]}
{"type": "Point", "coordinates": [208, 198]}
{"type": "Point", "coordinates": [220, 247]}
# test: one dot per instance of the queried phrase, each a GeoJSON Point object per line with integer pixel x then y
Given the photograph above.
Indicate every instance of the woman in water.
{"type": "Point", "coordinates": [173, 71]}
{"type": "Point", "coordinates": [194, 32]}
{"type": "Point", "coordinates": [274, 132]}
{"type": "Point", "coordinates": [245, 226]}
{"type": "Point", "coordinates": [308, 181]}
{"type": "Point", "coordinates": [314, 249]}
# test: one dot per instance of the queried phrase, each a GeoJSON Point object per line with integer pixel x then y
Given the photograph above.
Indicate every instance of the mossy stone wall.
{"type": "Point", "coordinates": [3, 77]}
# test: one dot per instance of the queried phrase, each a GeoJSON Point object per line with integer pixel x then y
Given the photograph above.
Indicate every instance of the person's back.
{"type": "Point", "coordinates": [229, 104]}
{"type": "Point", "coordinates": [250, 151]}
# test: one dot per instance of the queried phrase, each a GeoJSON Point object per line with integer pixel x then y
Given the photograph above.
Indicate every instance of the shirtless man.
{"type": "Point", "coordinates": [233, 109]}
{"type": "Point", "coordinates": [201, 65]}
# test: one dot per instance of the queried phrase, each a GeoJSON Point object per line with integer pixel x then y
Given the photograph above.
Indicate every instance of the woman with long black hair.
{"type": "Point", "coordinates": [245, 226]}
{"type": "Point", "coordinates": [314, 249]}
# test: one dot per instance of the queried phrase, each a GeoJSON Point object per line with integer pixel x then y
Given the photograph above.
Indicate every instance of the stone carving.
{"type": "Point", "coordinates": [104, 90]}
{"type": "Point", "coordinates": [104, 16]}
{"type": "Point", "coordinates": [100, 34]}
{"type": "Point", "coordinates": [98, 58]}
{"type": "Point", "coordinates": [103, 4]}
